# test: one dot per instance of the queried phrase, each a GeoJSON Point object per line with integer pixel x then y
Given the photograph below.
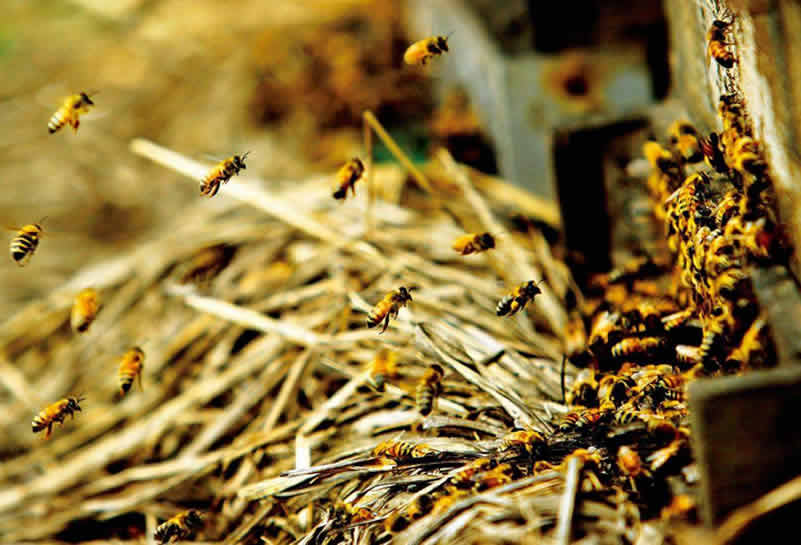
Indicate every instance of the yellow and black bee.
{"type": "Point", "coordinates": [474, 243]}
{"type": "Point", "coordinates": [746, 157]}
{"type": "Point", "coordinates": [529, 440]}
{"type": "Point", "coordinates": [514, 302]}
{"type": "Point", "coordinates": [498, 476]}
{"type": "Point", "coordinates": [383, 366]}
{"type": "Point", "coordinates": [84, 309]}
{"type": "Point", "coordinates": [400, 451]}
{"type": "Point", "coordinates": [465, 478]}
{"type": "Point", "coordinates": [221, 173]}
{"type": "Point", "coordinates": [25, 243]}
{"type": "Point", "coordinates": [419, 53]}
{"type": "Point", "coordinates": [181, 526]}
{"type": "Point", "coordinates": [428, 389]}
{"type": "Point", "coordinates": [69, 113]}
{"type": "Point", "coordinates": [584, 418]}
{"type": "Point", "coordinates": [131, 366]}
{"type": "Point", "coordinates": [584, 390]}
{"type": "Point", "coordinates": [388, 307]}
{"type": "Point", "coordinates": [616, 389]}
{"type": "Point", "coordinates": [716, 44]}
{"type": "Point", "coordinates": [685, 139]}
{"type": "Point", "coordinates": [56, 412]}
{"type": "Point", "coordinates": [638, 347]}
{"type": "Point", "coordinates": [347, 513]}
{"type": "Point", "coordinates": [350, 173]}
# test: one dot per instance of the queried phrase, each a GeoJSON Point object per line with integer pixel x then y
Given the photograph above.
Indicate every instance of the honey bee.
{"type": "Point", "coordinates": [383, 366]}
{"type": "Point", "coordinates": [69, 112]}
{"type": "Point", "coordinates": [131, 366]}
{"type": "Point", "coordinates": [660, 158]}
{"type": "Point", "coordinates": [429, 388]}
{"type": "Point", "coordinates": [421, 506]}
{"type": "Point", "coordinates": [221, 173]}
{"type": "Point", "coordinates": [474, 243]}
{"type": "Point", "coordinates": [616, 389]}
{"type": "Point", "coordinates": [749, 345]}
{"type": "Point", "coordinates": [747, 158]}
{"type": "Point", "coordinates": [57, 412]}
{"type": "Point", "coordinates": [208, 263]}
{"type": "Point", "coordinates": [525, 439]}
{"type": "Point", "coordinates": [716, 44]}
{"type": "Point", "coordinates": [713, 154]}
{"type": "Point", "coordinates": [638, 347]}
{"type": "Point", "coordinates": [445, 501]}
{"type": "Point", "coordinates": [518, 299]}
{"type": "Point", "coordinates": [350, 173]}
{"type": "Point", "coordinates": [605, 331]}
{"type": "Point", "coordinates": [662, 456]}
{"type": "Point", "coordinates": [498, 476]}
{"type": "Point", "coordinates": [582, 419]}
{"type": "Point", "coordinates": [688, 355]}
{"type": "Point", "coordinates": [464, 477]}
{"type": "Point", "coordinates": [347, 513]}
{"type": "Point", "coordinates": [180, 527]}
{"type": "Point", "coordinates": [629, 461]}
{"type": "Point", "coordinates": [419, 53]}
{"type": "Point", "coordinates": [396, 522]}
{"type": "Point", "coordinates": [388, 307]}
{"type": "Point", "coordinates": [681, 506]}
{"type": "Point", "coordinates": [628, 413]}
{"type": "Point", "coordinates": [584, 390]}
{"type": "Point", "coordinates": [25, 243]}
{"type": "Point", "coordinates": [685, 138]}
{"type": "Point", "coordinates": [400, 451]}
{"type": "Point", "coordinates": [84, 309]}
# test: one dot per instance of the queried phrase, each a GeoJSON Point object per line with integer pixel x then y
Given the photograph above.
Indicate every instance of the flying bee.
{"type": "Point", "coordinates": [131, 365]}
{"type": "Point", "coordinates": [685, 139]}
{"type": "Point", "coordinates": [350, 173]}
{"type": "Point", "coordinates": [70, 112]}
{"type": "Point", "coordinates": [473, 243]}
{"type": "Point", "coordinates": [716, 44]}
{"type": "Point", "coordinates": [419, 53]}
{"type": "Point", "coordinates": [383, 366]}
{"type": "Point", "coordinates": [429, 388]}
{"type": "Point", "coordinates": [713, 154]}
{"type": "Point", "coordinates": [221, 173]}
{"type": "Point", "coordinates": [25, 243]}
{"type": "Point", "coordinates": [464, 477]}
{"type": "Point", "coordinates": [388, 307]}
{"type": "Point", "coordinates": [180, 527]}
{"type": "Point", "coordinates": [519, 298]}
{"type": "Point", "coordinates": [57, 412]}
{"type": "Point", "coordinates": [400, 451]}
{"type": "Point", "coordinates": [525, 439]}
{"type": "Point", "coordinates": [84, 309]}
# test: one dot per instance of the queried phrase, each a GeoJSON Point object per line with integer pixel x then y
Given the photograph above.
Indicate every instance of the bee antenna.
{"type": "Point", "coordinates": [245, 154]}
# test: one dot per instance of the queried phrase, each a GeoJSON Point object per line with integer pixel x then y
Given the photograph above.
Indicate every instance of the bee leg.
{"type": "Point", "coordinates": [386, 323]}
{"type": "Point", "coordinates": [75, 125]}
{"type": "Point", "coordinates": [49, 430]}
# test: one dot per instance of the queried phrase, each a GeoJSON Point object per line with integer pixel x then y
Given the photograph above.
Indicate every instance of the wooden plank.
{"type": "Point", "coordinates": [745, 436]}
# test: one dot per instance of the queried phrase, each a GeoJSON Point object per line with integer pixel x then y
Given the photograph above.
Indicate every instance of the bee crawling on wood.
{"type": "Point", "coordinates": [519, 298]}
{"type": "Point", "coordinates": [84, 309]}
{"type": "Point", "coordinates": [350, 173]}
{"type": "Point", "coordinates": [57, 412]}
{"type": "Point", "coordinates": [25, 243]}
{"type": "Point", "coordinates": [529, 440]}
{"type": "Point", "coordinates": [221, 173]}
{"type": "Point", "coordinates": [419, 53]}
{"type": "Point", "coordinates": [717, 45]}
{"type": "Point", "coordinates": [429, 388]}
{"type": "Point", "coordinates": [181, 526]}
{"type": "Point", "coordinates": [389, 306]}
{"type": "Point", "coordinates": [474, 243]}
{"type": "Point", "coordinates": [131, 366]}
{"type": "Point", "coordinates": [70, 111]}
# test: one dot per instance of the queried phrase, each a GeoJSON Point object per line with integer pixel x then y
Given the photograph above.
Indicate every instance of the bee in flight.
{"type": "Point", "coordinates": [419, 53]}
{"type": "Point", "coordinates": [350, 173]}
{"type": "Point", "coordinates": [57, 412]}
{"type": "Point", "coordinates": [388, 307]}
{"type": "Point", "coordinates": [70, 111]}
{"type": "Point", "coordinates": [716, 44]}
{"type": "Point", "coordinates": [180, 527]}
{"type": "Point", "coordinates": [84, 309]}
{"type": "Point", "coordinates": [383, 366]}
{"type": "Point", "coordinates": [519, 298]}
{"type": "Point", "coordinates": [221, 173]}
{"type": "Point", "coordinates": [474, 243]}
{"type": "Point", "coordinates": [429, 388]}
{"type": "Point", "coordinates": [131, 365]}
{"type": "Point", "coordinates": [25, 243]}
